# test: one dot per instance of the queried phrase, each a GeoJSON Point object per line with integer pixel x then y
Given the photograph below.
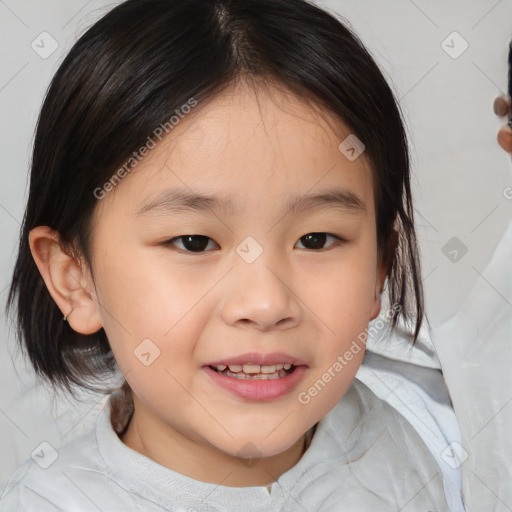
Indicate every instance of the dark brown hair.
{"type": "Point", "coordinates": [129, 73]}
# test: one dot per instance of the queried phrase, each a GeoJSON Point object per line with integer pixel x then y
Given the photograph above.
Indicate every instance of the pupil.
{"type": "Point", "coordinates": [317, 238]}
{"type": "Point", "coordinates": [200, 242]}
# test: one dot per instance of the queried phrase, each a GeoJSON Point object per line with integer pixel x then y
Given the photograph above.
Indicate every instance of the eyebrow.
{"type": "Point", "coordinates": [177, 201]}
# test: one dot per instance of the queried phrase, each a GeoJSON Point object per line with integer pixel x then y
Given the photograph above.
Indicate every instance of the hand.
{"type": "Point", "coordinates": [502, 108]}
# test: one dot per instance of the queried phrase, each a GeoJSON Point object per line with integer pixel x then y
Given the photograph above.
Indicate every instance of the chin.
{"type": "Point", "coordinates": [257, 447]}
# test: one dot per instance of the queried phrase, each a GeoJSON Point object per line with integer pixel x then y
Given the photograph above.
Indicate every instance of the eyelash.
{"type": "Point", "coordinates": [339, 241]}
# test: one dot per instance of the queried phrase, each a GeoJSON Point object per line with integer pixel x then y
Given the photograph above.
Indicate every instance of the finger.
{"type": "Point", "coordinates": [501, 106]}
{"type": "Point", "coordinates": [505, 138]}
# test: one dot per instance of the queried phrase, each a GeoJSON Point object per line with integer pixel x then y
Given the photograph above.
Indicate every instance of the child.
{"type": "Point", "coordinates": [260, 129]}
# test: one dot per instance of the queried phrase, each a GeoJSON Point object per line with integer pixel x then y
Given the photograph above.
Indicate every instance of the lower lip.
{"type": "Point", "coordinates": [258, 389]}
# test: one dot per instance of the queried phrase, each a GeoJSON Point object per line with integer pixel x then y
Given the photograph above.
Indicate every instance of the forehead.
{"type": "Point", "coordinates": [248, 144]}
{"type": "Point", "coordinates": [250, 127]}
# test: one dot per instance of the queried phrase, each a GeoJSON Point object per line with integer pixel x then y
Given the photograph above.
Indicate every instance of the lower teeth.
{"type": "Point", "coordinates": [279, 374]}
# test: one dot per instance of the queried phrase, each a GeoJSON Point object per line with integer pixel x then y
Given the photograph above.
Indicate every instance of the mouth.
{"type": "Point", "coordinates": [257, 377]}
{"type": "Point", "coordinates": [255, 371]}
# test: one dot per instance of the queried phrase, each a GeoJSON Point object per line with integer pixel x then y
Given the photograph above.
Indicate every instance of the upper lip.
{"type": "Point", "coordinates": [261, 359]}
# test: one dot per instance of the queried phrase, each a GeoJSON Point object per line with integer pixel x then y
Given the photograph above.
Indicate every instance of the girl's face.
{"type": "Point", "coordinates": [183, 284]}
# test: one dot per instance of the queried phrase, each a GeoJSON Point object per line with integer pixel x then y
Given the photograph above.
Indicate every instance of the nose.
{"type": "Point", "coordinates": [261, 295]}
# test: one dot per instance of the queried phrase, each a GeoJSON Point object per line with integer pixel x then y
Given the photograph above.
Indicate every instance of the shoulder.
{"type": "Point", "coordinates": [360, 415]}
{"type": "Point", "coordinates": [368, 449]}
{"type": "Point", "coordinates": [364, 423]}
{"type": "Point", "coordinates": [20, 495]}
{"type": "Point", "coordinates": [52, 476]}
{"type": "Point", "coordinates": [74, 475]}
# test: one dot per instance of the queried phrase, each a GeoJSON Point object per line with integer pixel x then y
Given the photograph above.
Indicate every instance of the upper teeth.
{"type": "Point", "coordinates": [254, 368]}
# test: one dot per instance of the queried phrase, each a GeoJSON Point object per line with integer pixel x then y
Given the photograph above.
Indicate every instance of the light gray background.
{"type": "Point", "coordinates": [459, 173]}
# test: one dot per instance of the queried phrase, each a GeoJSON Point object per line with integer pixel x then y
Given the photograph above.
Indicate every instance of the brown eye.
{"type": "Point", "coordinates": [191, 243]}
{"type": "Point", "coordinates": [316, 241]}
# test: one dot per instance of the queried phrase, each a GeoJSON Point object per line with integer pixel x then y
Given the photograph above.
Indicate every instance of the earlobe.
{"type": "Point", "coordinates": [376, 306]}
{"type": "Point", "coordinates": [379, 285]}
{"type": "Point", "coordinates": [66, 280]}
{"type": "Point", "coordinates": [384, 267]}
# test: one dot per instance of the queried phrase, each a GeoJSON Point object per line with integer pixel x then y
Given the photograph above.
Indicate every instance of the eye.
{"type": "Point", "coordinates": [198, 243]}
{"type": "Point", "coordinates": [191, 243]}
{"type": "Point", "coordinates": [317, 240]}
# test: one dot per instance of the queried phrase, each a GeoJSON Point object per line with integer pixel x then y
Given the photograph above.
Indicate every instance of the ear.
{"type": "Point", "coordinates": [382, 271]}
{"type": "Point", "coordinates": [69, 282]}
{"type": "Point", "coordinates": [379, 284]}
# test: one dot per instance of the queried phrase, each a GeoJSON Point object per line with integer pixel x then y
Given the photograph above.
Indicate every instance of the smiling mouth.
{"type": "Point", "coordinates": [254, 371]}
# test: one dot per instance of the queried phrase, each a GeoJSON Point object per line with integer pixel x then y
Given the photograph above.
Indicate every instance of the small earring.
{"type": "Point", "coordinates": [65, 318]}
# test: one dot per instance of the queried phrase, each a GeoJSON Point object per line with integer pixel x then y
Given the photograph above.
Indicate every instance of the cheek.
{"type": "Point", "coordinates": [141, 301]}
{"type": "Point", "coordinates": [345, 294]}
{"type": "Point", "coordinates": [344, 289]}
{"type": "Point", "coordinates": [342, 302]}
